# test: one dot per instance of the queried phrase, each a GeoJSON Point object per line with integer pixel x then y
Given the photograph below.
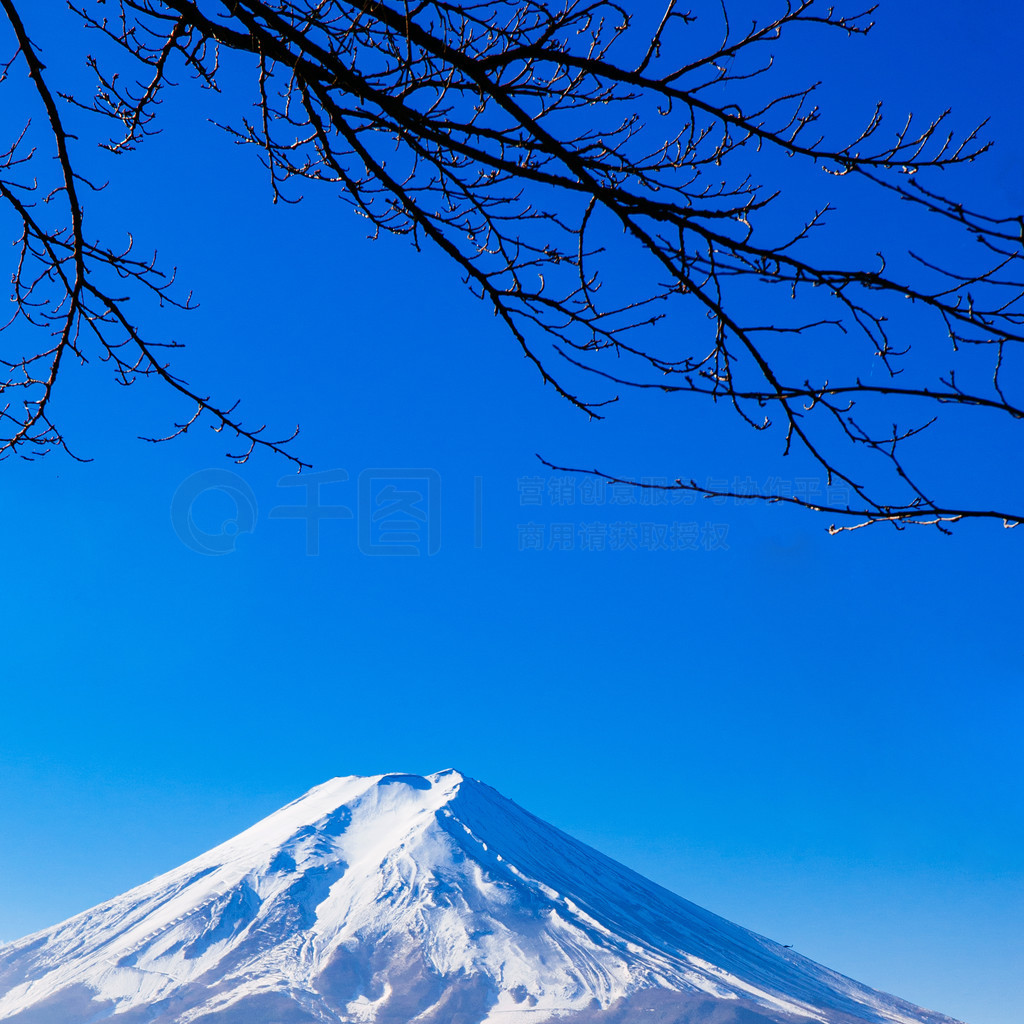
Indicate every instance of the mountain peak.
{"type": "Point", "coordinates": [396, 897]}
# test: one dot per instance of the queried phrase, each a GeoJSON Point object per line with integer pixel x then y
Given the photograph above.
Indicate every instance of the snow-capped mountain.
{"type": "Point", "coordinates": [397, 899]}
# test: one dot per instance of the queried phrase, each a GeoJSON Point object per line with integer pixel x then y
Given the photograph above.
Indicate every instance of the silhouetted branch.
{"type": "Point", "coordinates": [513, 136]}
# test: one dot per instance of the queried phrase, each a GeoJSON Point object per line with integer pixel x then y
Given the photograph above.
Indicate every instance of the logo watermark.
{"type": "Point", "coordinates": [204, 488]}
{"type": "Point", "coordinates": [399, 510]}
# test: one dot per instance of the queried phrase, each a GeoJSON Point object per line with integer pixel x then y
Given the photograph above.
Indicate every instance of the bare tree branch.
{"type": "Point", "coordinates": [525, 138]}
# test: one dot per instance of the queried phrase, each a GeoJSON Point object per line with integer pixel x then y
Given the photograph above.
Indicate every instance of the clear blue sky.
{"type": "Point", "coordinates": [819, 738]}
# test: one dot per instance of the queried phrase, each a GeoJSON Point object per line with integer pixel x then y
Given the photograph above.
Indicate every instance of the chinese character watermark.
{"type": "Point", "coordinates": [559, 491]}
{"type": "Point", "coordinates": [398, 510]}
{"type": "Point", "coordinates": [623, 535]}
{"type": "Point", "coordinates": [313, 511]}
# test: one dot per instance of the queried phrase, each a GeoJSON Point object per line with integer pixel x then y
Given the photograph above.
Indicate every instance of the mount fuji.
{"type": "Point", "coordinates": [397, 899]}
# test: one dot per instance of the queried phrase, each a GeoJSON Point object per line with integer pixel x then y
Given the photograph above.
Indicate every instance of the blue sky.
{"type": "Point", "coordinates": [816, 737]}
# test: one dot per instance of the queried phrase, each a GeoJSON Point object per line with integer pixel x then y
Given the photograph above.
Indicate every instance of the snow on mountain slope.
{"type": "Point", "coordinates": [396, 898]}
